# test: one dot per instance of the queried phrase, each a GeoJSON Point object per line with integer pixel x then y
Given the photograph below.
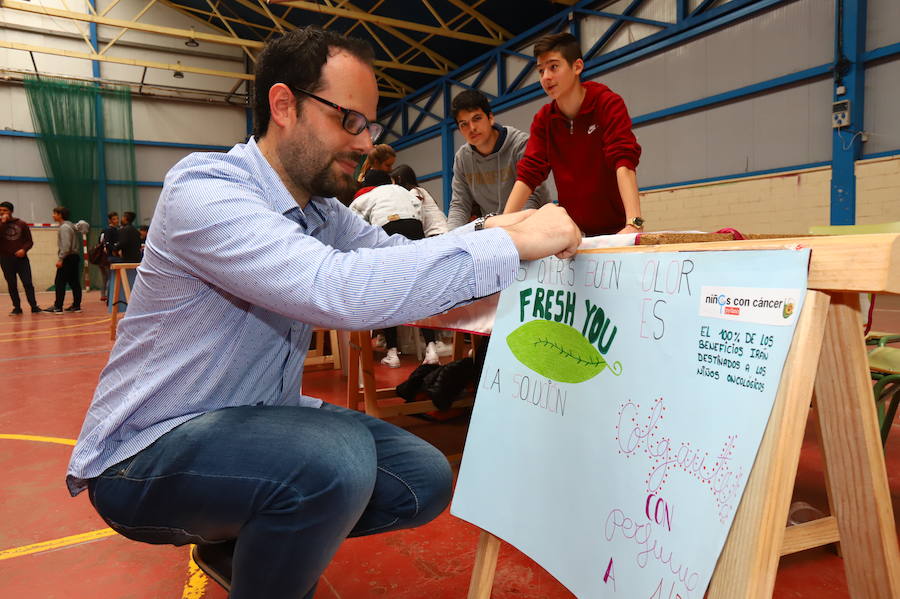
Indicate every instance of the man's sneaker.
{"type": "Point", "coordinates": [392, 359]}
{"type": "Point", "coordinates": [15, 312]}
{"type": "Point", "coordinates": [35, 309]}
{"type": "Point", "coordinates": [73, 309]}
{"type": "Point", "coordinates": [431, 355]}
{"type": "Point", "coordinates": [54, 310]}
{"type": "Point", "coordinates": [215, 561]}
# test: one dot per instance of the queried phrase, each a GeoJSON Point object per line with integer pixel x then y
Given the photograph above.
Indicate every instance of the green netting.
{"type": "Point", "coordinates": [121, 191]}
{"type": "Point", "coordinates": [80, 160]}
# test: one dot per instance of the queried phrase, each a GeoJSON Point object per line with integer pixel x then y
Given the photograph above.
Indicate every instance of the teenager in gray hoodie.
{"type": "Point", "coordinates": [68, 240]}
{"type": "Point", "coordinates": [484, 169]}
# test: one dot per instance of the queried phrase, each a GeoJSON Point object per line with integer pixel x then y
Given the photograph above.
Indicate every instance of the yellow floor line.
{"type": "Point", "coordinates": [59, 440]}
{"type": "Point", "coordinates": [54, 336]}
{"type": "Point", "coordinates": [56, 543]}
{"type": "Point", "coordinates": [331, 586]}
{"type": "Point", "coordinates": [195, 587]}
{"type": "Point", "coordinates": [71, 326]}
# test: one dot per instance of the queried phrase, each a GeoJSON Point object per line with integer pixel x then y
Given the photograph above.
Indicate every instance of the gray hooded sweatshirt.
{"type": "Point", "coordinates": [68, 238]}
{"type": "Point", "coordinates": [488, 180]}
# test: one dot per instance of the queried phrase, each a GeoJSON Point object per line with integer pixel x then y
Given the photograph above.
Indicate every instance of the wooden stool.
{"type": "Point", "coordinates": [377, 402]}
{"type": "Point", "coordinates": [317, 359]}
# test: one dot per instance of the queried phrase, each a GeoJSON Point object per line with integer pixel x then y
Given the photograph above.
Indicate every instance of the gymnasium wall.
{"type": "Point", "coordinates": [726, 145]}
{"type": "Point", "coordinates": [757, 161]}
{"type": "Point", "coordinates": [165, 127]}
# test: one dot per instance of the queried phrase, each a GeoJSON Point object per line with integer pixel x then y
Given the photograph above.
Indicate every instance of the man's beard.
{"type": "Point", "coordinates": [309, 167]}
{"type": "Point", "coordinates": [325, 183]}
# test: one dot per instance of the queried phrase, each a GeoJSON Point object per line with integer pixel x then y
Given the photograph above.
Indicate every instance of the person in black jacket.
{"type": "Point", "coordinates": [129, 239]}
{"type": "Point", "coordinates": [109, 237]}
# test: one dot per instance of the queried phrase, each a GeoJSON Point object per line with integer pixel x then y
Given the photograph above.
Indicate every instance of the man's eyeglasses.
{"type": "Point", "coordinates": [354, 122]}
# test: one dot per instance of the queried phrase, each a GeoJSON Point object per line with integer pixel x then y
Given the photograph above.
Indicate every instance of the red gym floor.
{"type": "Point", "coordinates": [54, 546]}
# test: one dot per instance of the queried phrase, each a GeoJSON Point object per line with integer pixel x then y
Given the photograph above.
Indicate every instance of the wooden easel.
{"type": "Point", "coordinates": [827, 357]}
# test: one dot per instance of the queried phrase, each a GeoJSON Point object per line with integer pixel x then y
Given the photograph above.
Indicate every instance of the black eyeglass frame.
{"type": "Point", "coordinates": [347, 112]}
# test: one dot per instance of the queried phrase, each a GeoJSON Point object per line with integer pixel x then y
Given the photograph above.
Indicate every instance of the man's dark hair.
{"type": "Point", "coordinates": [8, 205]}
{"type": "Point", "coordinates": [62, 211]}
{"type": "Point", "coordinates": [405, 176]}
{"type": "Point", "coordinates": [111, 214]}
{"type": "Point", "coordinates": [296, 58]}
{"type": "Point", "coordinates": [144, 228]}
{"type": "Point", "coordinates": [565, 43]}
{"type": "Point", "coordinates": [470, 99]}
{"type": "Point", "coordinates": [128, 217]}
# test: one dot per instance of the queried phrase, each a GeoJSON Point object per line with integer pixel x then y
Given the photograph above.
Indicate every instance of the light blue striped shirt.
{"type": "Point", "coordinates": [234, 277]}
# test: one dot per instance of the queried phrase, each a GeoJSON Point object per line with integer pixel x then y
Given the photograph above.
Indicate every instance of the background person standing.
{"type": "Point", "coordinates": [129, 239]}
{"type": "Point", "coordinates": [15, 241]}
{"type": "Point", "coordinates": [109, 238]}
{"type": "Point", "coordinates": [69, 242]}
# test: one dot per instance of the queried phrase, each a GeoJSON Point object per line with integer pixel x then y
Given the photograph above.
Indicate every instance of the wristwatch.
{"type": "Point", "coordinates": [479, 222]}
{"type": "Point", "coordinates": [637, 222]}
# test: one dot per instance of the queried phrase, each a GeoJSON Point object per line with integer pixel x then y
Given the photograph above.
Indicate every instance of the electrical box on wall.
{"type": "Point", "coordinates": [840, 114]}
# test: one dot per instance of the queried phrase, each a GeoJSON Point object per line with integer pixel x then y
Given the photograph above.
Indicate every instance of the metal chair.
{"type": "Point", "coordinates": [884, 366]}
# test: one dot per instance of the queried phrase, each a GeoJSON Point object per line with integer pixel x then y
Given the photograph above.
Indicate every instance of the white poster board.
{"type": "Point", "coordinates": [620, 409]}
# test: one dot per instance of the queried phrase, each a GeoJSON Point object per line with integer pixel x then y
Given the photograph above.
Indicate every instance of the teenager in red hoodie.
{"type": "Point", "coordinates": [15, 241]}
{"type": "Point", "coordinates": [584, 137]}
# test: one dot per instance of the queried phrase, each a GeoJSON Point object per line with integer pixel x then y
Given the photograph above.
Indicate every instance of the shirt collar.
{"type": "Point", "coordinates": [281, 200]}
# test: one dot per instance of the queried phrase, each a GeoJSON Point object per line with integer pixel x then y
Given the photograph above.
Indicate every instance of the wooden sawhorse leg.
{"type": "Point", "coordinates": [485, 566]}
{"type": "Point", "coordinates": [120, 284]}
{"type": "Point", "coordinates": [854, 458]}
{"type": "Point", "coordinates": [114, 313]}
{"type": "Point", "coordinates": [362, 364]}
{"type": "Point", "coordinates": [746, 569]}
{"type": "Point", "coordinates": [317, 359]}
{"type": "Point", "coordinates": [459, 344]}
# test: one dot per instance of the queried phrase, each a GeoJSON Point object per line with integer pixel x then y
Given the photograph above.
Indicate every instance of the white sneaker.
{"type": "Point", "coordinates": [443, 349]}
{"type": "Point", "coordinates": [431, 354]}
{"type": "Point", "coordinates": [392, 359]}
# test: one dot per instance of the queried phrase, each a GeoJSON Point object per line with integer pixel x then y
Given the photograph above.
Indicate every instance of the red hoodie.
{"type": "Point", "coordinates": [14, 236]}
{"type": "Point", "coordinates": [584, 155]}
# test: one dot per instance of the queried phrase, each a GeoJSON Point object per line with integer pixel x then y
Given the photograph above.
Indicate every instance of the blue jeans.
{"type": "Point", "coordinates": [288, 483]}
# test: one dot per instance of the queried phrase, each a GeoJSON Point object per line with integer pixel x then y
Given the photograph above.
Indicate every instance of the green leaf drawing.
{"type": "Point", "coordinates": [557, 351]}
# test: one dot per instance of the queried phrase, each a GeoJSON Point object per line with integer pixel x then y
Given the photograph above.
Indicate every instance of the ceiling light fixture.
{"type": "Point", "coordinates": [192, 43]}
{"type": "Point", "coordinates": [178, 74]}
